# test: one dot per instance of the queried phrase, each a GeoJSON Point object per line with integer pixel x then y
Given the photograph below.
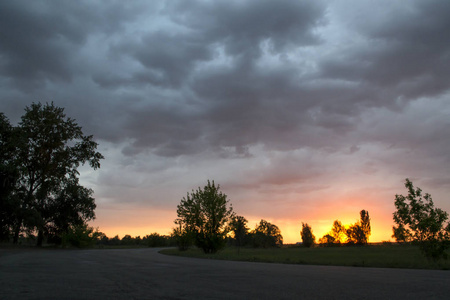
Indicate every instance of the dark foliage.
{"type": "Point", "coordinates": [355, 234]}
{"type": "Point", "coordinates": [150, 240]}
{"type": "Point", "coordinates": [308, 237]}
{"type": "Point", "coordinates": [203, 215]}
{"type": "Point", "coordinates": [238, 226]}
{"type": "Point", "coordinates": [266, 235]}
{"type": "Point", "coordinates": [39, 177]}
{"type": "Point", "coordinates": [358, 233]}
{"type": "Point", "coordinates": [157, 240]}
{"type": "Point", "coordinates": [80, 236]}
{"type": "Point", "coordinates": [8, 178]}
{"type": "Point", "coordinates": [327, 240]}
{"type": "Point", "coordinates": [417, 220]}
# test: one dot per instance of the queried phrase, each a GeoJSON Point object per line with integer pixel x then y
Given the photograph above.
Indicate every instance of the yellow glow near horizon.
{"type": "Point", "coordinates": [123, 219]}
{"type": "Point", "coordinates": [291, 233]}
{"type": "Point", "coordinates": [289, 229]}
{"type": "Point", "coordinates": [288, 213]}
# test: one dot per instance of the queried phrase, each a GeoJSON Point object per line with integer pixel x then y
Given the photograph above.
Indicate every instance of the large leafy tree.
{"type": "Point", "coordinates": [50, 148]}
{"type": "Point", "coordinates": [418, 220]}
{"type": "Point", "coordinates": [205, 215]}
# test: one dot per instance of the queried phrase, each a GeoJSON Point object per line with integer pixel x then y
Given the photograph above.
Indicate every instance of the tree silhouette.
{"type": "Point", "coordinates": [365, 225]}
{"type": "Point", "coordinates": [9, 208]}
{"type": "Point", "coordinates": [156, 240]}
{"type": "Point", "coordinates": [308, 237]}
{"type": "Point", "coordinates": [266, 235]}
{"type": "Point", "coordinates": [327, 240]}
{"type": "Point", "coordinates": [359, 232]}
{"type": "Point", "coordinates": [49, 148]}
{"type": "Point", "coordinates": [355, 234]}
{"type": "Point", "coordinates": [183, 238]}
{"type": "Point", "coordinates": [80, 236]}
{"type": "Point", "coordinates": [417, 220]}
{"type": "Point", "coordinates": [338, 232]}
{"type": "Point", "coordinates": [205, 214]}
{"type": "Point", "coordinates": [238, 226]}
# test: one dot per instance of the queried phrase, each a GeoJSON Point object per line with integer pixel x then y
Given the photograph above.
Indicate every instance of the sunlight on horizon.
{"type": "Point", "coordinates": [136, 219]}
{"type": "Point", "coordinates": [289, 230]}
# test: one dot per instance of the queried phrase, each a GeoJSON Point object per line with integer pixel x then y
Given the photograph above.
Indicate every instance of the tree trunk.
{"type": "Point", "coordinates": [40, 238]}
{"type": "Point", "coordinates": [16, 233]}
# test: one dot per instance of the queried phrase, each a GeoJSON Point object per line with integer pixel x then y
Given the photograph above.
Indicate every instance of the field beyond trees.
{"type": "Point", "coordinates": [377, 256]}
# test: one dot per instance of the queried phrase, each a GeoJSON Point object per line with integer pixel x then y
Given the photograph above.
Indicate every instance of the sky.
{"type": "Point", "coordinates": [302, 111]}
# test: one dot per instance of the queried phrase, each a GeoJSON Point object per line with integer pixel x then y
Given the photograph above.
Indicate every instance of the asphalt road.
{"type": "Point", "coordinates": [146, 274]}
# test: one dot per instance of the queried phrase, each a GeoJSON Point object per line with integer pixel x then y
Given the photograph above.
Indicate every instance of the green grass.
{"type": "Point", "coordinates": [378, 256]}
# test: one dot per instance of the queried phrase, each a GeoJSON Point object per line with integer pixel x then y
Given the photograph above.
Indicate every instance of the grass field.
{"type": "Point", "coordinates": [379, 256]}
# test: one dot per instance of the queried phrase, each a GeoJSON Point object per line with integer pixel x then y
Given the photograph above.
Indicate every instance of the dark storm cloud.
{"type": "Point", "coordinates": [41, 38]}
{"type": "Point", "coordinates": [176, 77]}
{"type": "Point", "coordinates": [168, 59]}
{"type": "Point", "coordinates": [257, 103]}
{"type": "Point", "coordinates": [241, 98]}
{"type": "Point", "coordinates": [242, 25]}
{"type": "Point", "coordinates": [171, 133]}
{"type": "Point", "coordinates": [406, 54]}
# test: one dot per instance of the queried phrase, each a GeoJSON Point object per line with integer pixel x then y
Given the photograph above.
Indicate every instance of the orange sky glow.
{"type": "Point", "coordinates": [142, 221]}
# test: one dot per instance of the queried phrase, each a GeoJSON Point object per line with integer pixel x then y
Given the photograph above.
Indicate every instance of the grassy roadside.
{"type": "Point", "coordinates": [379, 256]}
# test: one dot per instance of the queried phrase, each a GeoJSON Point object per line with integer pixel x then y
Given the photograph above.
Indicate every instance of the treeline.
{"type": "Point", "coordinates": [85, 236]}
{"type": "Point", "coordinates": [355, 234]}
{"type": "Point", "coordinates": [205, 218]}
{"type": "Point", "coordinates": [150, 240]}
{"type": "Point", "coordinates": [264, 235]}
{"type": "Point", "coordinates": [267, 235]}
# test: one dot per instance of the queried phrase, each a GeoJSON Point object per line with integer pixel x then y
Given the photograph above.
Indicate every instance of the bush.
{"type": "Point", "coordinates": [157, 240]}
{"type": "Point", "coordinates": [183, 239]}
{"type": "Point", "coordinates": [81, 236]}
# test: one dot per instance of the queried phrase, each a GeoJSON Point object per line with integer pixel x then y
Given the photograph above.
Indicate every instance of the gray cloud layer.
{"type": "Point", "coordinates": [177, 85]}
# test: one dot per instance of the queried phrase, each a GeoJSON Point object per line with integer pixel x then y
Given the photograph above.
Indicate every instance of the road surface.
{"type": "Point", "coordinates": [146, 274]}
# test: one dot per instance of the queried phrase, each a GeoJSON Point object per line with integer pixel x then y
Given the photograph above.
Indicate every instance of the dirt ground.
{"type": "Point", "coordinates": [146, 274]}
